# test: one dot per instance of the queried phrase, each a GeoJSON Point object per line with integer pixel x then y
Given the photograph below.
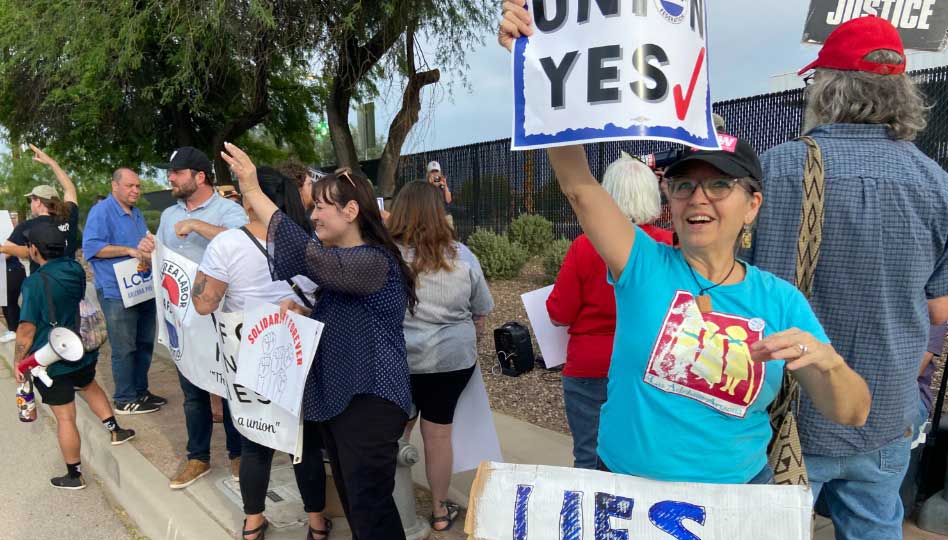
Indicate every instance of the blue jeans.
{"type": "Point", "coordinates": [584, 397]}
{"type": "Point", "coordinates": [862, 491]}
{"type": "Point", "coordinates": [132, 338]}
{"type": "Point", "coordinates": [200, 423]}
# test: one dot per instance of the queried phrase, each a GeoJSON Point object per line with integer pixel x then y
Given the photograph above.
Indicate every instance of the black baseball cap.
{"type": "Point", "coordinates": [737, 158]}
{"type": "Point", "coordinates": [188, 157]}
{"type": "Point", "coordinates": [46, 236]}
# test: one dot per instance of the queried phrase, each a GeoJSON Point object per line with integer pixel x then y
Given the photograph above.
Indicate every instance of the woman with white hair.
{"type": "Point", "coordinates": [584, 301]}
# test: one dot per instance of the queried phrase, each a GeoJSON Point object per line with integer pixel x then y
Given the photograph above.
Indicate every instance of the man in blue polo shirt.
{"type": "Point", "coordinates": [111, 235]}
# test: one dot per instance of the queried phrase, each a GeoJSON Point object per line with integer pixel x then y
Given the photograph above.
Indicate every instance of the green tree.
{"type": "Point", "coordinates": [375, 40]}
{"type": "Point", "coordinates": [127, 81]}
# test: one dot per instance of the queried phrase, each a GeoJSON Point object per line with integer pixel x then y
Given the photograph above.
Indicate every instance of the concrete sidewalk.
{"type": "Point", "coordinates": [137, 474]}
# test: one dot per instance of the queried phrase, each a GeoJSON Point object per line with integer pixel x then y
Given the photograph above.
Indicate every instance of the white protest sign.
{"type": "Point", "coordinates": [134, 282]}
{"type": "Point", "coordinates": [610, 70]}
{"type": "Point", "coordinates": [187, 335]}
{"type": "Point", "coordinates": [552, 339]}
{"type": "Point", "coordinates": [276, 352]}
{"type": "Point", "coordinates": [474, 437]}
{"type": "Point", "coordinates": [6, 227]}
{"type": "Point", "coordinates": [535, 502]}
{"type": "Point", "coordinates": [255, 417]}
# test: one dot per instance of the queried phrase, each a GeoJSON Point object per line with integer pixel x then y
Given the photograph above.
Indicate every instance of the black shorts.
{"type": "Point", "coordinates": [63, 391]}
{"type": "Point", "coordinates": [436, 394]}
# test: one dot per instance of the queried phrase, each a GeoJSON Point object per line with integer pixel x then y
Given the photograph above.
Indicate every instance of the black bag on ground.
{"type": "Point", "coordinates": [514, 348]}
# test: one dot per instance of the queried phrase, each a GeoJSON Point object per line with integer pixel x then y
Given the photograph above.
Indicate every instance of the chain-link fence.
{"type": "Point", "coordinates": [492, 185]}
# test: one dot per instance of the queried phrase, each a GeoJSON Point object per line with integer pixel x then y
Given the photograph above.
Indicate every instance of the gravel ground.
{"type": "Point", "coordinates": [536, 396]}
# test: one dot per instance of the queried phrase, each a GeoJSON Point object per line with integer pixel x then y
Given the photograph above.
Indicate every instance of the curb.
{"type": "Point", "coordinates": [135, 484]}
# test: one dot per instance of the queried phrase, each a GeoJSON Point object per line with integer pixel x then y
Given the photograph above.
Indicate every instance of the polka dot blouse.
{"type": "Point", "coordinates": [363, 303]}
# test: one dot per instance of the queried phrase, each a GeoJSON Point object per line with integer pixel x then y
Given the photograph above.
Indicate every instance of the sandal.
{"type": "Point", "coordinates": [323, 534]}
{"type": "Point", "coordinates": [260, 531]}
{"type": "Point", "coordinates": [453, 511]}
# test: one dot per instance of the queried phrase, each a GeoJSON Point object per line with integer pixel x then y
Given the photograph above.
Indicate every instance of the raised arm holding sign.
{"type": "Point", "coordinates": [590, 71]}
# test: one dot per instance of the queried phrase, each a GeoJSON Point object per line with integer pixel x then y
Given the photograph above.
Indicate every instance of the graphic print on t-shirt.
{"type": "Point", "coordinates": [706, 357]}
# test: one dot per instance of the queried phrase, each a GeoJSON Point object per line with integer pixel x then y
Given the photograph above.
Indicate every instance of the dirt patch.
{"type": "Point", "coordinates": [535, 397]}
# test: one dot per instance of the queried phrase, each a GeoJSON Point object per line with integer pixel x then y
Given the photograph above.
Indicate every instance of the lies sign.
{"type": "Point", "coordinates": [597, 70]}
{"type": "Point", "coordinates": [534, 502]}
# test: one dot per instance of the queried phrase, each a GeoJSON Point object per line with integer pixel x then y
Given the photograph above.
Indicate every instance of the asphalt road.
{"type": "Point", "coordinates": [29, 457]}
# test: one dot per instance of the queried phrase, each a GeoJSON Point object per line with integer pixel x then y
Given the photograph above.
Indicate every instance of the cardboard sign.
{"type": "Point", "coordinates": [187, 335]}
{"type": "Point", "coordinates": [134, 282]}
{"type": "Point", "coordinates": [276, 352]}
{"type": "Point", "coordinates": [535, 502]}
{"type": "Point", "coordinates": [923, 24]}
{"type": "Point", "coordinates": [6, 227]}
{"type": "Point", "coordinates": [552, 339]}
{"type": "Point", "coordinates": [610, 70]}
{"type": "Point", "coordinates": [255, 417]}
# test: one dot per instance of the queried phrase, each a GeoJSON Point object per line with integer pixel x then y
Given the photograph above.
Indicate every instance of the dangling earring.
{"type": "Point", "coordinates": [747, 238]}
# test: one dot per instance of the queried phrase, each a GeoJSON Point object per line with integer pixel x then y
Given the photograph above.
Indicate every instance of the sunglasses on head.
{"type": "Point", "coordinates": [345, 172]}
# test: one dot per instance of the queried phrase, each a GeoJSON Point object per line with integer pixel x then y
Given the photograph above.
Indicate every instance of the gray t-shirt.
{"type": "Point", "coordinates": [440, 337]}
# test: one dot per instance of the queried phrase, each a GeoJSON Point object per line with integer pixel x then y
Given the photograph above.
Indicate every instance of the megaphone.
{"type": "Point", "coordinates": [63, 344]}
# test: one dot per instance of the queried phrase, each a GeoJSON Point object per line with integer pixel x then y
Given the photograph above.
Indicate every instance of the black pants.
{"type": "Point", "coordinates": [362, 442]}
{"type": "Point", "coordinates": [11, 312]}
{"type": "Point", "coordinates": [255, 462]}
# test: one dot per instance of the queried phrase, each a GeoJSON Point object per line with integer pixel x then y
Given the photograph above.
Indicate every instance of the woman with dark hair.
{"type": "Point", "coordinates": [441, 336]}
{"type": "Point", "coordinates": [45, 206]}
{"type": "Point", "coordinates": [358, 390]}
{"type": "Point", "coordinates": [236, 270]}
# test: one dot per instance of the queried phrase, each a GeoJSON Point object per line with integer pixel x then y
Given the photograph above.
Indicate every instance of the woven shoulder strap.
{"type": "Point", "coordinates": [811, 218]}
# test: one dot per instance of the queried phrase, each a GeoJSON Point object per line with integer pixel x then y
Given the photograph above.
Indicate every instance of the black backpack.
{"type": "Point", "coordinates": [514, 349]}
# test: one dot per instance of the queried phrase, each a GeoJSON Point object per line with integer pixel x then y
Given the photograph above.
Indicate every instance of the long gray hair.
{"type": "Point", "coordinates": [858, 97]}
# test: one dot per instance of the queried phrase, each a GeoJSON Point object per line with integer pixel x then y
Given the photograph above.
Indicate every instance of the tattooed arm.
{"type": "Point", "coordinates": [24, 340]}
{"type": "Point", "coordinates": [208, 293]}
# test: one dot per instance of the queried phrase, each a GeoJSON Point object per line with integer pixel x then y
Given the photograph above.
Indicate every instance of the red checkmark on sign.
{"type": "Point", "coordinates": [682, 103]}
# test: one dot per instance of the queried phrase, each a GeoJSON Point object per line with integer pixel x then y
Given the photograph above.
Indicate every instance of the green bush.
{"type": "Point", "coordinates": [499, 257]}
{"type": "Point", "coordinates": [534, 233]}
{"type": "Point", "coordinates": [152, 217]}
{"type": "Point", "coordinates": [553, 257]}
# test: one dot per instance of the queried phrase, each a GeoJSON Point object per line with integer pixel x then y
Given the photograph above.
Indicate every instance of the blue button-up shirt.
{"type": "Point", "coordinates": [108, 224]}
{"type": "Point", "coordinates": [882, 257]}
{"type": "Point", "coordinates": [217, 211]}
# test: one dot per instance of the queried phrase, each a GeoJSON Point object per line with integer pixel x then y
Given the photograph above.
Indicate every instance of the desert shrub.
{"type": "Point", "coordinates": [553, 257]}
{"type": "Point", "coordinates": [534, 233]}
{"type": "Point", "coordinates": [499, 257]}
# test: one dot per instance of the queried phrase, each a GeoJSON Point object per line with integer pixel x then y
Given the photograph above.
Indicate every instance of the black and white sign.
{"type": "Point", "coordinates": [923, 24]}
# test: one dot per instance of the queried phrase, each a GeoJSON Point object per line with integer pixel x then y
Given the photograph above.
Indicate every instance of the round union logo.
{"type": "Point", "coordinates": [176, 284]}
{"type": "Point", "coordinates": [672, 10]}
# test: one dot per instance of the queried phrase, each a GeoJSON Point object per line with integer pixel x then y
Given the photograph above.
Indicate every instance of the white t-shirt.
{"type": "Point", "coordinates": [232, 257]}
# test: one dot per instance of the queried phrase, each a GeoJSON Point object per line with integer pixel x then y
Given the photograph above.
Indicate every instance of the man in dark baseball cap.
{"type": "Point", "coordinates": [188, 157]}
{"type": "Point", "coordinates": [47, 239]}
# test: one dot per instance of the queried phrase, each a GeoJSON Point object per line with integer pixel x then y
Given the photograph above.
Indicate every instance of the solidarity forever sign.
{"type": "Point", "coordinates": [534, 502]}
{"type": "Point", "coordinates": [276, 352]}
{"type": "Point", "coordinates": [613, 70]}
{"type": "Point", "coordinates": [187, 335]}
{"type": "Point", "coordinates": [134, 282]}
{"type": "Point", "coordinates": [922, 24]}
{"type": "Point", "coordinates": [255, 417]}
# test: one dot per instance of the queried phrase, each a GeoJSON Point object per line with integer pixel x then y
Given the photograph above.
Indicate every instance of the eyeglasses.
{"type": "Point", "coordinates": [809, 78]}
{"type": "Point", "coordinates": [714, 189]}
{"type": "Point", "coordinates": [345, 172]}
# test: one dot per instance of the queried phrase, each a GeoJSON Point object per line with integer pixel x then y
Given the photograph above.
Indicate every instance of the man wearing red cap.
{"type": "Point", "coordinates": [882, 271]}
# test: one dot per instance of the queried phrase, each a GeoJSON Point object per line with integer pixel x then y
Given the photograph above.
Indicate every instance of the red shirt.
{"type": "Point", "coordinates": [583, 299]}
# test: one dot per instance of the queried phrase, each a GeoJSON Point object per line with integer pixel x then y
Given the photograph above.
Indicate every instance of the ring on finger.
{"type": "Point", "coordinates": [803, 349]}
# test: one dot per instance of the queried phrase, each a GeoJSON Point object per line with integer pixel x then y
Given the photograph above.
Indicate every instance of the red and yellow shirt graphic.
{"type": "Point", "coordinates": [706, 357]}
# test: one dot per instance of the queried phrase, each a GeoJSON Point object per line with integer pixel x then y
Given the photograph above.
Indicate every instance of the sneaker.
{"type": "Point", "coordinates": [235, 468]}
{"type": "Point", "coordinates": [148, 397]}
{"type": "Point", "coordinates": [121, 436]}
{"type": "Point", "coordinates": [193, 470]}
{"type": "Point", "coordinates": [68, 482]}
{"type": "Point", "coordinates": [139, 406]}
